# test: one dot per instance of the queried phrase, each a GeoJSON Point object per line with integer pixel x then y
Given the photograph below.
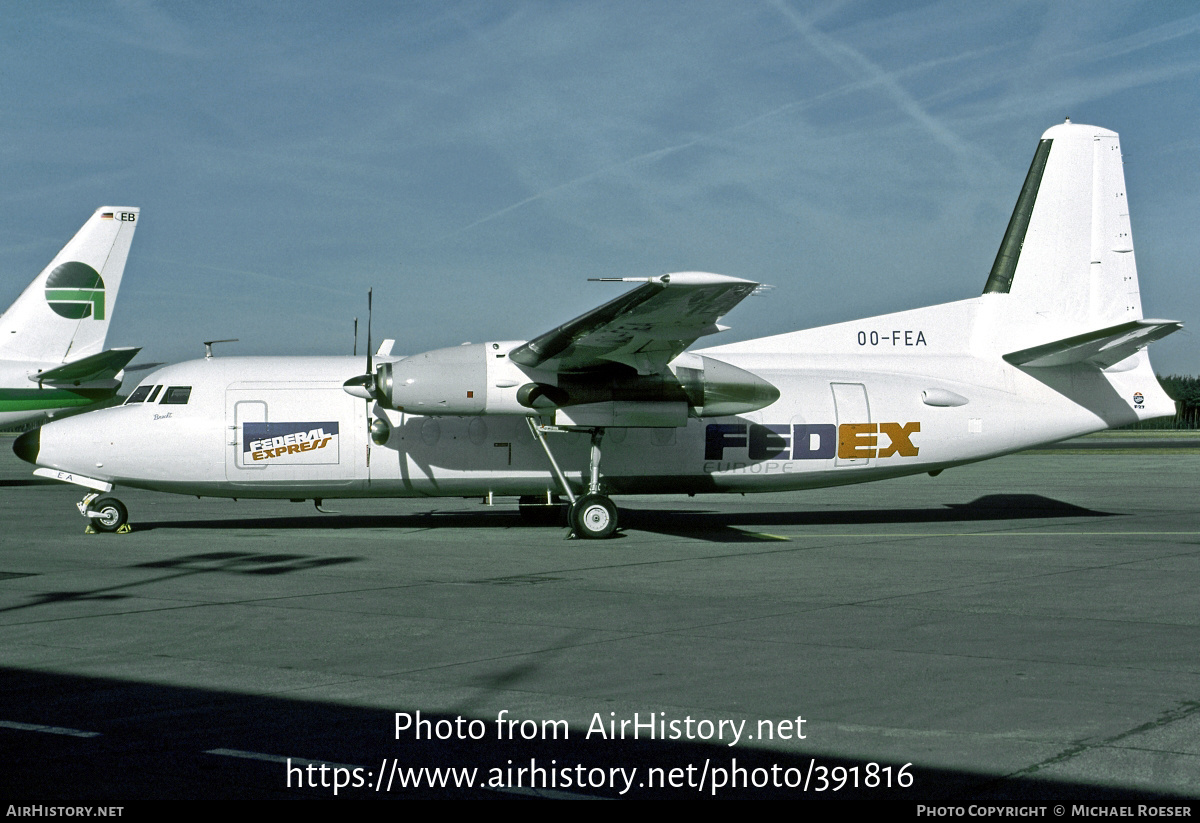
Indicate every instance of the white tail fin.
{"type": "Point", "coordinates": [1066, 269]}
{"type": "Point", "coordinates": [65, 311]}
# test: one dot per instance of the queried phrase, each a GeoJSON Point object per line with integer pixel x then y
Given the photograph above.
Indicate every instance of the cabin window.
{"type": "Point", "coordinates": [154, 394]}
{"type": "Point", "coordinates": [177, 395]}
{"type": "Point", "coordinates": [139, 394]}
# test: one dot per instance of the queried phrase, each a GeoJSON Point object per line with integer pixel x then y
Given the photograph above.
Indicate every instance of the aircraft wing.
{"type": "Point", "coordinates": [645, 328]}
{"type": "Point", "coordinates": [1103, 347]}
{"type": "Point", "coordinates": [102, 366]}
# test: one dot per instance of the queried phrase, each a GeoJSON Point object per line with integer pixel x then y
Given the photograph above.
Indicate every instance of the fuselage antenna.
{"type": "Point", "coordinates": [208, 344]}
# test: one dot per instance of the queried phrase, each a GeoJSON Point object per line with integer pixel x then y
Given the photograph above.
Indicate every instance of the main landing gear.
{"type": "Point", "coordinates": [104, 514]}
{"type": "Point", "coordinates": [592, 516]}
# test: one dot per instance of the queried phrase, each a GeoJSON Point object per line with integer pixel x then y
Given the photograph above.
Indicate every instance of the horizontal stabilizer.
{"type": "Point", "coordinates": [103, 366]}
{"type": "Point", "coordinates": [1104, 347]}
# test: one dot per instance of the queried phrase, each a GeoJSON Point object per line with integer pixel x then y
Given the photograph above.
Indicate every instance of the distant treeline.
{"type": "Point", "coordinates": [1185, 391]}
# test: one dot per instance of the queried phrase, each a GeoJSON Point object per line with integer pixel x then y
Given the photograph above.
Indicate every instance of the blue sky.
{"type": "Point", "coordinates": [476, 162]}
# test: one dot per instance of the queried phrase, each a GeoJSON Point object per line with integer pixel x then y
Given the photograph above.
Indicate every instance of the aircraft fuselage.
{"type": "Point", "coordinates": [285, 428]}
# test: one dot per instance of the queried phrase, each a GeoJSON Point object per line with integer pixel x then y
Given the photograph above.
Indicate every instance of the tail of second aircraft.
{"type": "Point", "coordinates": [64, 313]}
{"type": "Point", "coordinates": [1064, 286]}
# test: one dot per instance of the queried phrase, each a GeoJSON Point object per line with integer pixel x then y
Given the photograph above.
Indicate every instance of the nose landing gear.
{"type": "Point", "coordinates": [104, 514]}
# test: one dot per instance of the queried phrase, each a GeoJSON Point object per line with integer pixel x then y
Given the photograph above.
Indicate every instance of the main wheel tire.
{"type": "Point", "coordinates": [111, 514]}
{"type": "Point", "coordinates": [593, 516]}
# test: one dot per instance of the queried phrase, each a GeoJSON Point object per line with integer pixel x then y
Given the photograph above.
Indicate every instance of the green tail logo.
{"type": "Point", "coordinates": [75, 291]}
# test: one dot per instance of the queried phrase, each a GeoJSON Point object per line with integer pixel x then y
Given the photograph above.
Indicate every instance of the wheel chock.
{"type": "Point", "coordinates": [125, 528]}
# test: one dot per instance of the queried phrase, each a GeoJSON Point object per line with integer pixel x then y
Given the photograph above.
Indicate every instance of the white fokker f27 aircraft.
{"type": "Point", "coordinates": [1052, 349]}
{"type": "Point", "coordinates": [51, 338]}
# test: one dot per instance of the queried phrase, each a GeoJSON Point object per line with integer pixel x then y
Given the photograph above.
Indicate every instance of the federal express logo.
{"type": "Point", "coordinates": [306, 443]}
{"type": "Point", "coordinates": [820, 441]}
{"type": "Point", "coordinates": [75, 291]}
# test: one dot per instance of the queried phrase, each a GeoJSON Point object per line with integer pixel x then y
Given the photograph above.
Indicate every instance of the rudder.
{"type": "Point", "coordinates": [1066, 266]}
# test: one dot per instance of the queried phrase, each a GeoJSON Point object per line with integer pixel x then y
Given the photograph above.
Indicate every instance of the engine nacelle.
{"type": "Point", "coordinates": [442, 381]}
{"type": "Point", "coordinates": [455, 381]}
{"type": "Point", "coordinates": [716, 389]}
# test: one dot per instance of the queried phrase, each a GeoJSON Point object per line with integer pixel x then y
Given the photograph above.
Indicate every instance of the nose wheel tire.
{"type": "Point", "coordinates": [593, 516]}
{"type": "Point", "coordinates": [107, 514]}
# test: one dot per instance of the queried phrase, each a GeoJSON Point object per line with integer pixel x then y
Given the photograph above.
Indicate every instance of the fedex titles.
{"type": "Point", "coordinates": [266, 441]}
{"type": "Point", "coordinates": [819, 441]}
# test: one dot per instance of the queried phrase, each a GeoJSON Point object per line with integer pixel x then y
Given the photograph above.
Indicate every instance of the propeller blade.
{"type": "Point", "coordinates": [370, 364]}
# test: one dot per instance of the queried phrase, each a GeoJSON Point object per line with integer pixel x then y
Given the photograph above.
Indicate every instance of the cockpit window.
{"type": "Point", "coordinates": [154, 394]}
{"type": "Point", "coordinates": [139, 394]}
{"type": "Point", "coordinates": [177, 395]}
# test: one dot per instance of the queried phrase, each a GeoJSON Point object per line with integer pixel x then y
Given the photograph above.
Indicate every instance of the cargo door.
{"type": "Point", "coordinates": [306, 436]}
{"type": "Point", "coordinates": [857, 442]}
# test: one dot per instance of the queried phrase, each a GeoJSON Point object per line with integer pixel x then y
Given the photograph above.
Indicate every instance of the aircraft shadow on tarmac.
{"type": "Point", "coordinates": [712, 525]}
{"type": "Point", "coordinates": [251, 563]}
{"type": "Point", "coordinates": [136, 741]}
{"type": "Point", "coordinates": [992, 507]}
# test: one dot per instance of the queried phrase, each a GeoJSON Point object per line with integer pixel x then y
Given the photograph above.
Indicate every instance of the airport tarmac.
{"type": "Point", "coordinates": [1021, 631]}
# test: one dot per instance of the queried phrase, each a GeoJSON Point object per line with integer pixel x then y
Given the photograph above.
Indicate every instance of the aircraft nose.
{"type": "Point", "coordinates": [28, 445]}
